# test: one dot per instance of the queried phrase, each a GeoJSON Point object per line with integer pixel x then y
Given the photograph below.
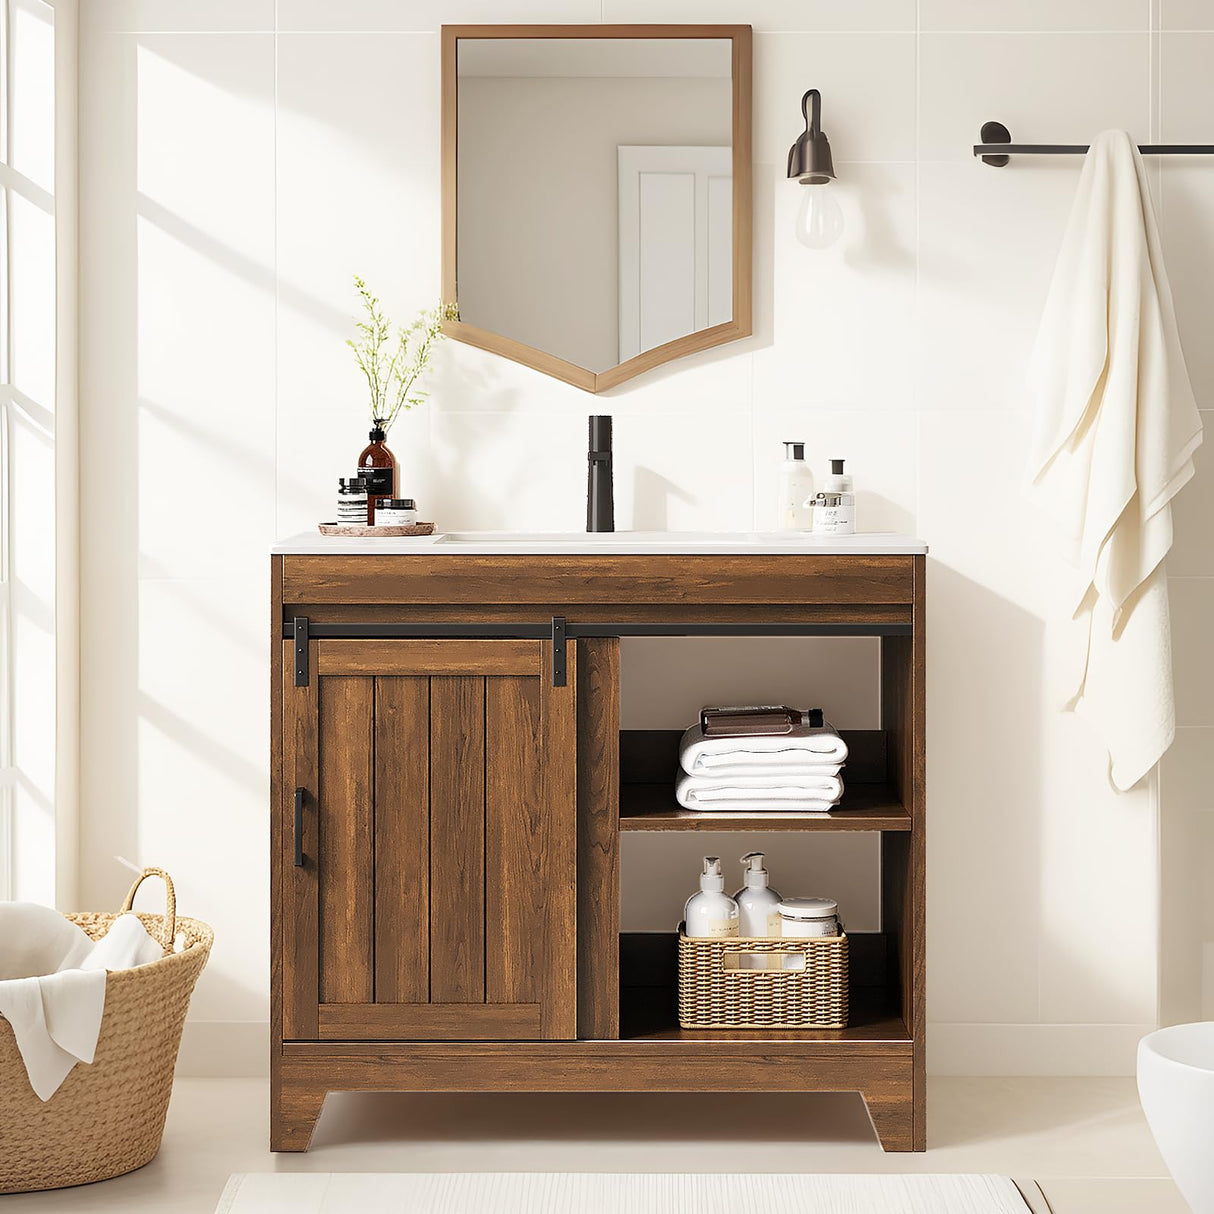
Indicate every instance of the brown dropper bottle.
{"type": "Point", "coordinates": [377, 466]}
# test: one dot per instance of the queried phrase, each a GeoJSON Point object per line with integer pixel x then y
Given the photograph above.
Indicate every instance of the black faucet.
{"type": "Point", "coordinates": [600, 497]}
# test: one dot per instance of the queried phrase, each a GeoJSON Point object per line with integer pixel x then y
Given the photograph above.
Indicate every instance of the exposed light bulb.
{"type": "Point", "coordinates": [819, 217]}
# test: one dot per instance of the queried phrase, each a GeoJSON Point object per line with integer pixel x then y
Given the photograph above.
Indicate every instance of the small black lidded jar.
{"type": "Point", "coordinates": [352, 501]}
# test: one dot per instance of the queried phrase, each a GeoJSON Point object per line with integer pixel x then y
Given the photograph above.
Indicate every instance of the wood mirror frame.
{"type": "Point", "coordinates": [738, 326]}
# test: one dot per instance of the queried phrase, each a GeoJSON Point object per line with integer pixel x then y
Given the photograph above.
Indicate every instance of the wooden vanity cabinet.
{"type": "Point", "coordinates": [448, 799]}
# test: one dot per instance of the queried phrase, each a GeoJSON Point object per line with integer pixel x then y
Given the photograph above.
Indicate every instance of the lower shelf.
{"type": "Point", "coordinates": [651, 1014]}
{"type": "Point", "coordinates": [649, 1000]}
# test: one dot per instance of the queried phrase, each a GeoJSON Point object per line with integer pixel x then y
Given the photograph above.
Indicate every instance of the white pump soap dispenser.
{"type": "Point", "coordinates": [711, 914]}
{"type": "Point", "coordinates": [758, 903]}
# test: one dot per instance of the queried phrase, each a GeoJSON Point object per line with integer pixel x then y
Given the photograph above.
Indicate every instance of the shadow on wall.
{"type": "Point", "coordinates": [1013, 800]}
{"type": "Point", "coordinates": [651, 497]}
{"type": "Point", "coordinates": [890, 515]}
{"type": "Point", "coordinates": [255, 273]}
{"type": "Point", "coordinates": [983, 788]}
{"type": "Point", "coordinates": [876, 244]}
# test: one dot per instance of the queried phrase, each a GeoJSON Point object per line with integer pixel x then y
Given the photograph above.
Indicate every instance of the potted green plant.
{"type": "Point", "coordinates": [394, 365]}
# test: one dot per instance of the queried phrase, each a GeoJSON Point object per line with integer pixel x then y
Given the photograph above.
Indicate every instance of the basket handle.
{"type": "Point", "coordinates": [168, 922]}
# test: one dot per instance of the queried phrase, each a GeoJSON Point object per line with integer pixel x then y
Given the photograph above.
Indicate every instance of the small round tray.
{"type": "Point", "coordinates": [386, 532]}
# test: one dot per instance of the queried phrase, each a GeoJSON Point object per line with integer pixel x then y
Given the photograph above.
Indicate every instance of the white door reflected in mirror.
{"type": "Point", "coordinates": [676, 243]}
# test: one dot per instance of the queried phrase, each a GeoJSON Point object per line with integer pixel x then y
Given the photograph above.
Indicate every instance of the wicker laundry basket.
{"type": "Point", "coordinates": [106, 1118]}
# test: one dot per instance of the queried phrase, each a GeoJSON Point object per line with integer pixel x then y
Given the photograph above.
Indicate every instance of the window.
{"type": "Point", "coordinates": [32, 97]}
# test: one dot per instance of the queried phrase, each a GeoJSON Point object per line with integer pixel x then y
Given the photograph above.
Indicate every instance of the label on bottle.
{"type": "Point", "coordinates": [386, 516]}
{"type": "Point", "coordinates": [775, 925]}
{"type": "Point", "coordinates": [836, 520]}
{"type": "Point", "coordinates": [379, 481]}
{"type": "Point", "coordinates": [716, 929]}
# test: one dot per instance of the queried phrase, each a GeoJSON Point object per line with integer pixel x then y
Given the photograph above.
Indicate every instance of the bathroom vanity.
{"type": "Point", "coordinates": [450, 781]}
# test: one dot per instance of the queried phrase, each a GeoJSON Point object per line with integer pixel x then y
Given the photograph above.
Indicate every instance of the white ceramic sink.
{"type": "Point", "coordinates": [664, 540]}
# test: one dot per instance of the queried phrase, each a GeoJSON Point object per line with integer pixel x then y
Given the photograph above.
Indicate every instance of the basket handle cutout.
{"type": "Point", "coordinates": [168, 921]}
{"type": "Point", "coordinates": [748, 961]}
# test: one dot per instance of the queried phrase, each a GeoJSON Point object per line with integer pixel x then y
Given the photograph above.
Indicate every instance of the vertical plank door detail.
{"type": "Point", "coordinates": [457, 840]}
{"type": "Point", "coordinates": [347, 841]}
{"type": "Point", "coordinates": [517, 859]}
{"type": "Point", "coordinates": [402, 840]}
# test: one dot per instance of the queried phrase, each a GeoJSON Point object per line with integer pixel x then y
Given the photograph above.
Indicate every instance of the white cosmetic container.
{"type": "Point", "coordinates": [758, 903]}
{"type": "Point", "coordinates": [806, 918]}
{"type": "Point", "coordinates": [711, 914]}
{"type": "Point", "coordinates": [395, 512]}
{"type": "Point", "coordinates": [796, 490]}
{"type": "Point", "coordinates": [843, 519]}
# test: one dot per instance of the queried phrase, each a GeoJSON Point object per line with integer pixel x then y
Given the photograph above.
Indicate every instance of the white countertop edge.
{"type": "Point", "coordinates": [873, 544]}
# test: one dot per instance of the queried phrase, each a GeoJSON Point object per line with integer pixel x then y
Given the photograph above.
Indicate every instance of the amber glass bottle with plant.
{"type": "Point", "coordinates": [394, 365]}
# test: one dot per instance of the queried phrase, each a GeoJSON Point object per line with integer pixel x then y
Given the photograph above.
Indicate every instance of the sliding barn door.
{"type": "Point", "coordinates": [433, 783]}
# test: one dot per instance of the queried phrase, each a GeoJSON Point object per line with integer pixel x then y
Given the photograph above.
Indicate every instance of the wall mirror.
{"type": "Point", "coordinates": [597, 193]}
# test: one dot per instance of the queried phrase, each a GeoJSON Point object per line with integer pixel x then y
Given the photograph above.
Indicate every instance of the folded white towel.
{"type": "Point", "coordinates": [52, 985]}
{"type": "Point", "coordinates": [810, 750]}
{"type": "Point", "coordinates": [807, 794]}
{"type": "Point", "coordinates": [1115, 429]}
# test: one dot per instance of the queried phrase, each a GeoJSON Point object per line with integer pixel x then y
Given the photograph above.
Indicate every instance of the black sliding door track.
{"type": "Point", "coordinates": [558, 630]}
{"type": "Point", "coordinates": [388, 630]}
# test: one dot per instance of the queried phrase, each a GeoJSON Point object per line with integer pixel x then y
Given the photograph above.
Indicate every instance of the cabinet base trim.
{"type": "Point", "coordinates": [430, 1021]}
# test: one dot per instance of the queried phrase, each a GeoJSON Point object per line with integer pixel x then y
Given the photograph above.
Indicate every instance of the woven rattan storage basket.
{"type": "Point", "coordinates": [715, 992]}
{"type": "Point", "coordinates": [106, 1118]}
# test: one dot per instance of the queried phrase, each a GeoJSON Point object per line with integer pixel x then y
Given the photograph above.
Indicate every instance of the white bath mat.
{"type": "Point", "coordinates": [614, 1193]}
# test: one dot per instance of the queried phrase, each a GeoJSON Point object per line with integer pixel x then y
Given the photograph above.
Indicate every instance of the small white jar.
{"type": "Point", "coordinates": [395, 512]}
{"type": "Point", "coordinates": [832, 515]}
{"type": "Point", "coordinates": [807, 918]}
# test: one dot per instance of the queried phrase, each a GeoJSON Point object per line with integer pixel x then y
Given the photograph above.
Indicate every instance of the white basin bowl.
{"type": "Point", "coordinates": [1176, 1087]}
{"type": "Point", "coordinates": [620, 539]}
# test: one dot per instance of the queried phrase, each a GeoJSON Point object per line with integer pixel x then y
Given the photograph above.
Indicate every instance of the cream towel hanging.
{"type": "Point", "coordinates": [1115, 428]}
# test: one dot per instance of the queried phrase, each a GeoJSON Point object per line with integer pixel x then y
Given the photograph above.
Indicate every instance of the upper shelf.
{"type": "Point", "coordinates": [614, 543]}
{"type": "Point", "coordinates": [652, 807]}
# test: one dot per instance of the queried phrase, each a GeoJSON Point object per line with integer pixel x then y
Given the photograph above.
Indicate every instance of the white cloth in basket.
{"type": "Point", "coordinates": [52, 985]}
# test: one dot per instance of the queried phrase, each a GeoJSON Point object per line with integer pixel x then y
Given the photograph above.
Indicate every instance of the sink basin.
{"type": "Point", "coordinates": [667, 540]}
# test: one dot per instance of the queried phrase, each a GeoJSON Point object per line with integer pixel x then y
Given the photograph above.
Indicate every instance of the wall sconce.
{"type": "Point", "coordinates": [819, 217]}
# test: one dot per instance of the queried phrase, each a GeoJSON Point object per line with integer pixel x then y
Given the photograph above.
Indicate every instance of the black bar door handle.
{"type": "Point", "coordinates": [299, 800]}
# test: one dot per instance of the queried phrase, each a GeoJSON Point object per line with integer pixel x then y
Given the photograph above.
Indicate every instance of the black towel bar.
{"type": "Point", "coordinates": [997, 147]}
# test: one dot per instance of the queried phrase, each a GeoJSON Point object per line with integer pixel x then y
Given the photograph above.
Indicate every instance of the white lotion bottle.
{"type": "Point", "coordinates": [839, 482]}
{"type": "Point", "coordinates": [796, 489]}
{"type": "Point", "coordinates": [758, 911]}
{"type": "Point", "coordinates": [711, 914]}
{"type": "Point", "coordinates": [758, 903]}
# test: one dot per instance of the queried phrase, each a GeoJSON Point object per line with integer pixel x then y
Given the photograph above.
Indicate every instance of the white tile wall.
{"type": "Point", "coordinates": [234, 176]}
{"type": "Point", "coordinates": [1187, 15]}
{"type": "Point", "coordinates": [412, 15]}
{"type": "Point", "coordinates": [1028, 82]}
{"type": "Point", "coordinates": [1000, 15]}
{"type": "Point", "coordinates": [781, 15]}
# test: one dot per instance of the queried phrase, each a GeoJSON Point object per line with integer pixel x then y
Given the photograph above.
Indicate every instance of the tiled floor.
{"type": "Point", "coordinates": [1084, 1140]}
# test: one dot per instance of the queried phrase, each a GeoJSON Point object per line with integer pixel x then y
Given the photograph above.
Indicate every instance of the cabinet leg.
{"type": "Point", "coordinates": [293, 1114]}
{"type": "Point", "coordinates": [893, 1118]}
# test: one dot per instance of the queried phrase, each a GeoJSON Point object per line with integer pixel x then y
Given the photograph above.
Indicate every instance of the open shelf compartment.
{"type": "Point", "coordinates": [649, 763]}
{"type": "Point", "coordinates": [649, 997]}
